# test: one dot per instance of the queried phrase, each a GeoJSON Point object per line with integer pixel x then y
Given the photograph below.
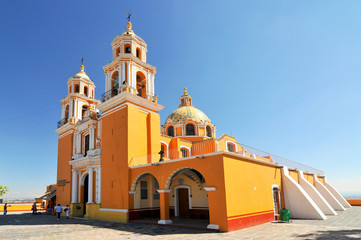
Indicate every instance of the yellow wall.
{"type": "Point", "coordinates": [309, 178]}
{"type": "Point", "coordinates": [19, 206]}
{"type": "Point", "coordinates": [294, 175]}
{"type": "Point", "coordinates": [94, 213]}
{"type": "Point", "coordinates": [249, 186]}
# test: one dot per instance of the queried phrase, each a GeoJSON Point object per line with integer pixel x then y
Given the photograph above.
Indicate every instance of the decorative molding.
{"type": "Point", "coordinates": [208, 189]}
{"type": "Point", "coordinates": [164, 191]}
{"type": "Point", "coordinates": [86, 161]}
{"type": "Point", "coordinates": [113, 210]}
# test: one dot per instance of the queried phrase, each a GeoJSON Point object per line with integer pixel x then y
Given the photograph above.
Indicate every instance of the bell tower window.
{"type": "Point", "coordinates": [141, 85]}
{"type": "Point", "coordinates": [190, 131]}
{"type": "Point", "coordinates": [138, 53]}
{"type": "Point", "coordinates": [127, 48]}
{"type": "Point", "coordinates": [84, 109]}
{"type": "Point", "coordinates": [209, 132]}
{"type": "Point", "coordinates": [85, 91]}
{"type": "Point", "coordinates": [66, 115]}
{"type": "Point", "coordinates": [76, 88]}
{"type": "Point", "coordinates": [170, 131]}
{"type": "Point", "coordinates": [115, 84]}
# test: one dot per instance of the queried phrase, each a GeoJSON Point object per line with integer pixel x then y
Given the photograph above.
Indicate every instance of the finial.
{"type": "Point", "coordinates": [129, 13]}
{"type": "Point", "coordinates": [82, 63]}
{"type": "Point", "coordinates": [185, 91]}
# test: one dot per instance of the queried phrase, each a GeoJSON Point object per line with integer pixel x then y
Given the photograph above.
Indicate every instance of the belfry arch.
{"type": "Point", "coordinates": [141, 84]}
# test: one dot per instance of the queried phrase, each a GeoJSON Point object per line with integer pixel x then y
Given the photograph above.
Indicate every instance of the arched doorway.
{"type": "Point", "coordinates": [276, 200]}
{"type": "Point", "coordinates": [85, 193]}
{"type": "Point", "coordinates": [188, 198]}
{"type": "Point", "coordinates": [145, 197]}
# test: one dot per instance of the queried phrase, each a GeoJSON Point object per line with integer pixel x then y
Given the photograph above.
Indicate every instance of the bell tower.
{"type": "Point", "coordinates": [129, 70]}
{"type": "Point", "coordinates": [130, 119]}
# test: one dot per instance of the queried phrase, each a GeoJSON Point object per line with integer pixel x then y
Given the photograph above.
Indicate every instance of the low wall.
{"type": "Point", "coordinates": [354, 202]}
{"type": "Point", "coordinates": [13, 207]}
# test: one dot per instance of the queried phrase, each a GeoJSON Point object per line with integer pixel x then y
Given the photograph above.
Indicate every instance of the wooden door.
{"type": "Point", "coordinates": [183, 202]}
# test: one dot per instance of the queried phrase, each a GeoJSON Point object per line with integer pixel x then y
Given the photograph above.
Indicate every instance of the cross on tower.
{"type": "Point", "coordinates": [129, 15]}
{"type": "Point", "coordinates": [82, 60]}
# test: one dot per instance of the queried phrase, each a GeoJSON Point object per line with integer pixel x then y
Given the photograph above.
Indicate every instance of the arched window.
{"type": "Point", "coordinates": [86, 149]}
{"type": "Point", "coordinates": [115, 84]}
{"type": "Point", "coordinates": [164, 149]}
{"type": "Point", "coordinates": [66, 115]}
{"type": "Point", "coordinates": [231, 147]}
{"type": "Point", "coordinates": [138, 53]}
{"type": "Point", "coordinates": [127, 48]}
{"type": "Point", "coordinates": [190, 131]}
{"type": "Point", "coordinates": [209, 131]}
{"type": "Point", "coordinates": [117, 52]}
{"type": "Point", "coordinates": [84, 109]}
{"type": "Point", "coordinates": [86, 91]}
{"type": "Point", "coordinates": [184, 152]}
{"type": "Point", "coordinates": [170, 131]}
{"type": "Point", "coordinates": [77, 88]}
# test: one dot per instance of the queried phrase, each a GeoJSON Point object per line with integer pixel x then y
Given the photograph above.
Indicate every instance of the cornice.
{"type": "Point", "coordinates": [80, 96]}
{"type": "Point", "coordinates": [129, 56]}
{"type": "Point", "coordinates": [66, 127]}
{"type": "Point", "coordinates": [125, 97]}
{"type": "Point", "coordinates": [128, 37]}
{"type": "Point", "coordinates": [85, 161]}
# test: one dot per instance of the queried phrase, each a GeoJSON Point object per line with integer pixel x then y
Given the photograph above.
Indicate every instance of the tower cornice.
{"type": "Point", "coordinates": [125, 97]}
{"type": "Point", "coordinates": [127, 57]}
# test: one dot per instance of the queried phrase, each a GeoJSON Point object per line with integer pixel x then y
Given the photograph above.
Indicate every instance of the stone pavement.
{"type": "Point", "coordinates": [347, 225]}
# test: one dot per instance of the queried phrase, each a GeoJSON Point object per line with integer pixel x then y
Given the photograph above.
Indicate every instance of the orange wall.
{"type": "Point", "coordinates": [354, 202]}
{"type": "Point", "coordinates": [114, 180]}
{"type": "Point", "coordinates": [321, 179]}
{"type": "Point", "coordinates": [63, 193]}
{"type": "Point", "coordinates": [211, 167]}
{"type": "Point", "coordinates": [203, 147]}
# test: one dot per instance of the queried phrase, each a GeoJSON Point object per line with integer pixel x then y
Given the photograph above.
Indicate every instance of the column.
{"type": "Point", "coordinates": [131, 203]}
{"type": "Point", "coordinates": [123, 72]}
{"type": "Point", "coordinates": [92, 137]}
{"type": "Point", "coordinates": [90, 185]}
{"type": "Point", "coordinates": [78, 143]}
{"type": "Point", "coordinates": [164, 207]}
{"type": "Point", "coordinates": [98, 185]}
{"type": "Point", "coordinates": [71, 109]}
{"type": "Point", "coordinates": [128, 75]}
{"type": "Point", "coordinates": [74, 186]}
{"type": "Point", "coordinates": [214, 207]}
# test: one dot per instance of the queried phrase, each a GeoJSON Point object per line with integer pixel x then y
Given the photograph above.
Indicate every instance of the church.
{"type": "Point", "coordinates": [118, 162]}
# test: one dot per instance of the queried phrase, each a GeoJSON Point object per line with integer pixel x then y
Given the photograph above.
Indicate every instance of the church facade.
{"type": "Point", "coordinates": [116, 161]}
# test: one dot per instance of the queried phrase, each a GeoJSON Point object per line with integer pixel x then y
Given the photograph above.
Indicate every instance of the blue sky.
{"type": "Point", "coordinates": [281, 76]}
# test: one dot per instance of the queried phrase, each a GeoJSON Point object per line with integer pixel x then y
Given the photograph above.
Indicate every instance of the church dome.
{"type": "Point", "coordinates": [187, 110]}
{"type": "Point", "coordinates": [183, 113]}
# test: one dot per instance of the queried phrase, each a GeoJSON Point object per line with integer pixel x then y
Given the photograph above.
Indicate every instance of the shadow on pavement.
{"type": "Point", "coordinates": [42, 219]}
{"type": "Point", "coordinates": [334, 234]}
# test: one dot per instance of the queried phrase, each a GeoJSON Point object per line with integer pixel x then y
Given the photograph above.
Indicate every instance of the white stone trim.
{"type": "Point", "coordinates": [176, 204]}
{"type": "Point", "coordinates": [213, 226]}
{"type": "Point", "coordinates": [209, 189]}
{"type": "Point", "coordinates": [165, 222]}
{"type": "Point", "coordinates": [183, 146]}
{"type": "Point", "coordinates": [133, 192]}
{"type": "Point", "coordinates": [164, 191]}
{"type": "Point", "coordinates": [228, 141]}
{"type": "Point", "coordinates": [167, 147]}
{"type": "Point", "coordinates": [113, 210]}
{"type": "Point", "coordinates": [90, 185]}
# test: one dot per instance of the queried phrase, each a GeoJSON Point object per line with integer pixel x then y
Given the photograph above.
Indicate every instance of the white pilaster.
{"type": "Point", "coordinates": [128, 75]}
{"type": "Point", "coordinates": [90, 185]}
{"type": "Point", "coordinates": [71, 109]}
{"type": "Point", "coordinates": [98, 184]}
{"type": "Point", "coordinates": [92, 137]}
{"type": "Point", "coordinates": [123, 72]}
{"type": "Point", "coordinates": [74, 186]}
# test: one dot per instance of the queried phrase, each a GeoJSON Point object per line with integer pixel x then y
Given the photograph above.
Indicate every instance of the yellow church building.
{"type": "Point", "coordinates": [116, 161]}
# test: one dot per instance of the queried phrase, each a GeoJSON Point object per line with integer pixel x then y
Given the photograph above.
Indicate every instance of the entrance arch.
{"type": "Point", "coordinates": [145, 197]}
{"type": "Point", "coordinates": [84, 191]}
{"type": "Point", "coordinates": [188, 198]}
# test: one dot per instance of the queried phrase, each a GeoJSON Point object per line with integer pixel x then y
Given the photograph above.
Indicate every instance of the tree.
{"type": "Point", "coordinates": [3, 190]}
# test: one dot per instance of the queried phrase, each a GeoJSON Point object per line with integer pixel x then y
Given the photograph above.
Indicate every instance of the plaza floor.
{"type": "Point", "coordinates": [347, 225]}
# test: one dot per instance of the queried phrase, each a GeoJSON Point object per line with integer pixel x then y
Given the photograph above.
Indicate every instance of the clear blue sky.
{"type": "Point", "coordinates": [281, 76]}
